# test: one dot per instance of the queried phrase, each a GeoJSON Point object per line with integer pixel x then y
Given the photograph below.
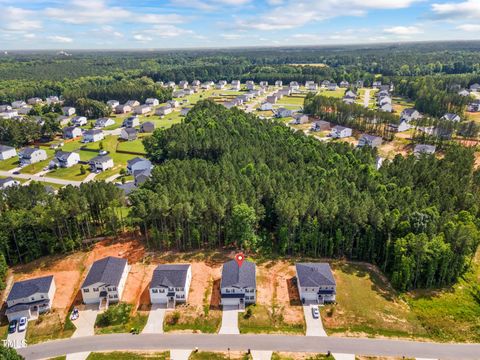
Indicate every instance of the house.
{"type": "Point", "coordinates": [63, 120]}
{"type": "Point", "coordinates": [377, 84]}
{"type": "Point", "coordinates": [140, 176]}
{"type": "Point", "coordinates": [386, 107]}
{"type": "Point", "coordinates": [283, 112]}
{"type": "Point", "coordinates": [424, 149]}
{"type": "Point", "coordinates": [123, 109]}
{"type": "Point", "coordinates": [24, 110]}
{"type": "Point", "coordinates": [350, 95]}
{"type": "Point", "coordinates": [34, 101]}
{"type": "Point", "coordinates": [152, 102]}
{"type": "Point", "coordinates": [332, 87]}
{"type": "Point", "coordinates": [451, 117]}
{"type": "Point", "coordinates": [279, 83]}
{"type": "Point", "coordinates": [9, 114]}
{"type": "Point", "coordinates": [171, 84]}
{"type": "Point", "coordinates": [266, 106]}
{"type": "Point", "coordinates": [299, 119]}
{"type": "Point", "coordinates": [464, 92]}
{"type": "Point", "coordinates": [100, 163]}
{"type": "Point", "coordinates": [7, 152]}
{"type": "Point", "coordinates": [196, 83]}
{"type": "Point", "coordinates": [312, 87]}
{"type": "Point", "coordinates": [132, 103]}
{"type": "Point", "coordinates": [403, 125]}
{"type": "Point", "coordinates": [147, 127]}
{"type": "Point", "coordinates": [475, 87]}
{"type": "Point", "coordinates": [238, 284]}
{"type": "Point", "coordinates": [8, 182]}
{"type": "Point", "coordinates": [18, 104]}
{"type": "Point", "coordinates": [71, 132]}
{"type": "Point", "coordinates": [263, 84]}
{"type": "Point", "coordinates": [359, 84]}
{"type": "Point", "coordinates": [31, 156]}
{"type": "Point", "coordinates": [315, 283]}
{"type": "Point", "coordinates": [370, 140]}
{"type": "Point", "coordinates": [474, 106]}
{"type": "Point", "coordinates": [113, 104]}
{"type": "Point", "coordinates": [344, 84]}
{"type": "Point", "coordinates": [104, 122]}
{"type": "Point", "coordinates": [325, 83]}
{"type": "Point", "coordinates": [131, 122]}
{"type": "Point", "coordinates": [79, 120]}
{"type": "Point", "coordinates": [29, 298]}
{"type": "Point", "coordinates": [178, 94]}
{"type": "Point", "coordinates": [348, 100]}
{"type": "Point", "coordinates": [250, 85]}
{"type": "Point", "coordinates": [235, 85]}
{"type": "Point", "coordinates": [183, 84]}
{"type": "Point", "coordinates": [173, 103]}
{"type": "Point", "coordinates": [68, 111]}
{"type": "Point", "coordinates": [137, 164]}
{"type": "Point", "coordinates": [272, 99]}
{"type": "Point", "coordinates": [93, 135]}
{"type": "Point", "coordinates": [185, 111]}
{"type": "Point", "coordinates": [142, 109]}
{"type": "Point", "coordinates": [163, 110]}
{"type": "Point", "coordinates": [206, 85]}
{"type": "Point", "coordinates": [340, 132]}
{"type": "Point", "coordinates": [170, 284]}
{"type": "Point", "coordinates": [410, 114]}
{"type": "Point", "coordinates": [320, 125]}
{"type": "Point", "coordinates": [221, 84]}
{"type": "Point", "coordinates": [294, 86]}
{"type": "Point", "coordinates": [105, 281]}
{"type": "Point", "coordinates": [52, 100]}
{"type": "Point", "coordinates": [64, 159]}
{"type": "Point", "coordinates": [128, 134]}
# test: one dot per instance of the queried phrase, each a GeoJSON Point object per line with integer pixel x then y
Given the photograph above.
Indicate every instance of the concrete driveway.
{"type": "Point", "coordinates": [85, 325]}
{"type": "Point", "coordinates": [155, 320]}
{"type": "Point", "coordinates": [261, 355]}
{"type": "Point", "coordinates": [314, 326]}
{"type": "Point", "coordinates": [180, 354]}
{"type": "Point", "coordinates": [344, 356]}
{"type": "Point", "coordinates": [229, 320]}
{"type": "Point", "coordinates": [16, 340]}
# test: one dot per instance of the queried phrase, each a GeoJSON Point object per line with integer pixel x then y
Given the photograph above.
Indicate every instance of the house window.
{"type": "Point", "coordinates": [155, 291]}
{"type": "Point", "coordinates": [115, 296]}
{"type": "Point", "coordinates": [33, 298]}
{"type": "Point", "coordinates": [177, 289]}
{"type": "Point", "coordinates": [86, 290]}
{"type": "Point", "coordinates": [95, 289]}
{"type": "Point", "coordinates": [114, 288]}
{"type": "Point", "coordinates": [161, 291]}
{"type": "Point", "coordinates": [41, 296]}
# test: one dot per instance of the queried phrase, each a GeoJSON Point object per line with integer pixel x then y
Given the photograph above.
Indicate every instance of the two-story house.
{"type": "Point", "coordinates": [7, 152]}
{"type": "Point", "coordinates": [32, 155]}
{"type": "Point", "coordinates": [64, 159]}
{"type": "Point", "coordinates": [238, 284]}
{"type": "Point", "coordinates": [315, 283]}
{"type": "Point", "coordinates": [170, 284]}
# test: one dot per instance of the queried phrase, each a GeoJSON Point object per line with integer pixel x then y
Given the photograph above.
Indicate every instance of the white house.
{"type": "Point", "coordinates": [170, 284]}
{"type": "Point", "coordinates": [250, 85]}
{"type": "Point", "coordinates": [128, 134]}
{"type": "Point", "coordinates": [105, 281]}
{"type": "Point", "coordinates": [235, 85]}
{"type": "Point", "coordinates": [93, 135]}
{"type": "Point", "coordinates": [163, 110]}
{"type": "Point", "coordinates": [123, 109]}
{"type": "Point", "coordinates": [410, 114]}
{"type": "Point", "coordinates": [34, 101]}
{"type": "Point", "coordinates": [183, 84]}
{"type": "Point", "coordinates": [113, 104]}
{"type": "Point", "coordinates": [475, 87]}
{"type": "Point", "coordinates": [31, 156]}
{"type": "Point", "coordinates": [104, 122]}
{"type": "Point", "coordinates": [52, 100]}
{"type": "Point", "coordinates": [100, 163]}
{"type": "Point", "coordinates": [266, 106]}
{"type": "Point", "coordinates": [315, 283]}
{"type": "Point", "coordinates": [294, 85]}
{"type": "Point", "coordinates": [238, 284]}
{"type": "Point", "coordinates": [64, 159]}
{"type": "Point", "coordinates": [283, 112]}
{"type": "Point", "coordinates": [7, 152]}
{"type": "Point", "coordinates": [424, 149]}
{"type": "Point", "coordinates": [131, 122]}
{"type": "Point", "coordinates": [300, 119]}
{"type": "Point", "coordinates": [79, 120]}
{"type": "Point", "coordinates": [451, 117]}
{"type": "Point", "coordinates": [8, 182]}
{"type": "Point", "coordinates": [152, 102]}
{"type": "Point", "coordinates": [340, 132]}
{"type": "Point", "coordinates": [9, 114]}
{"type": "Point", "coordinates": [132, 103]}
{"type": "Point", "coordinates": [278, 83]}
{"type": "Point", "coordinates": [18, 104]}
{"type": "Point", "coordinates": [137, 164]}
{"type": "Point", "coordinates": [30, 298]}
{"type": "Point", "coordinates": [369, 140]}
{"type": "Point", "coordinates": [68, 111]}
{"type": "Point", "coordinates": [71, 132]}
{"type": "Point", "coordinates": [173, 103]}
{"type": "Point", "coordinates": [142, 109]}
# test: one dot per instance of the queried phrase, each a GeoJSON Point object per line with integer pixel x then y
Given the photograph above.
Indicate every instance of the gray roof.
{"type": "Point", "coordinates": [26, 288]}
{"type": "Point", "coordinates": [27, 152]}
{"type": "Point", "coordinates": [6, 180]}
{"type": "Point", "coordinates": [62, 155]}
{"type": "Point", "coordinates": [100, 159]}
{"type": "Point", "coordinates": [371, 137]}
{"type": "Point", "coordinates": [5, 148]}
{"type": "Point", "coordinates": [130, 131]}
{"type": "Point", "coordinates": [127, 188]}
{"type": "Point", "coordinates": [409, 111]}
{"type": "Point", "coordinates": [135, 160]}
{"type": "Point", "coordinates": [340, 128]}
{"type": "Point", "coordinates": [235, 276]}
{"type": "Point", "coordinates": [171, 275]}
{"type": "Point", "coordinates": [92, 132]}
{"type": "Point", "coordinates": [106, 271]}
{"type": "Point", "coordinates": [424, 148]}
{"type": "Point", "coordinates": [314, 274]}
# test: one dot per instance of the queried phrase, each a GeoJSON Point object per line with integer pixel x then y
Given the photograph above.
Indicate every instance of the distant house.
{"type": "Point", "coordinates": [474, 106]}
{"type": "Point", "coordinates": [113, 104]}
{"type": "Point", "coordinates": [283, 112]}
{"type": "Point", "coordinates": [178, 94]}
{"type": "Point", "coordinates": [79, 120]}
{"type": "Point", "coordinates": [132, 103]}
{"type": "Point", "coordinates": [51, 100]}
{"type": "Point", "coordinates": [137, 164]}
{"type": "Point", "coordinates": [173, 103]}
{"type": "Point", "coordinates": [163, 110]}
{"type": "Point", "coordinates": [8, 114]}
{"type": "Point", "coordinates": [32, 155]}
{"type": "Point", "coordinates": [294, 86]}
{"type": "Point", "coordinates": [152, 102]}
{"type": "Point", "coordinates": [451, 117]}
{"type": "Point", "coordinates": [128, 134]}
{"type": "Point", "coordinates": [105, 281]}
{"type": "Point", "coordinates": [344, 84]}
{"type": "Point", "coordinates": [263, 84]}
{"type": "Point", "coordinates": [100, 163]}
{"type": "Point", "coordinates": [350, 95]}
{"type": "Point", "coordinates": [377, 84]}
{"type": "Point", "coordinates": [171, 84]}
{"type": "Point", "coordinates": [140, 176]}
{"type": "Point", "coordinates": [142, 109]}
{"type": "Point", "coordinates": [195, 83]}
{"type": "Point", "coordinates": [93, 135]}
{"type": "Point", "coordinates": [332, 87]}
{"type": "Point", "coordinates": [325, 83]}
{"type": "Point", "coordinates": [403, 125]}
{"type": "Point", "coordinates": [370, 140]}
{"type": "Point", "coordinates": [24, 110]}
{"type": "Point", "coordinates": [386, 107]}
{"type": "Point", "coordinates": [147, 127]}
{"type": "Point", "coordinates": [359, 84]}
{"type": "Point", "coordinates": [63, 120]}
{"type": "Point", "coordinates": [34, 101]}
{"type": "Point", "coordinates": [235, 85]}
{"type": "Point", "coordinates": [300, 119]}
{"type": "Point", "coordinates": [104, 122]}
{"type": "Point", "coordinates": [424, 149]}
{"type": "Point", "coordinates": [71, 132]}
{"type": "Point", "coordinates": [130, 122]}
{"type": "Point", "coordinates": [475, 87]}
{"type": "Point", "coordinates": [7, 152]}
{"type": "Point", "coordinates": [64, 159]}
{"type": "Point", "coordinates": [183, 84]}
{"type": "Point", "coordinates": [266, 106]}
{"type": "Point", "coordinates": [8, 182]}
{"type": "Point", "coordinates": [312, 87]}
{"type": "Point", "coordinates": [4, 108]}
{"type": "Point", "coordinates": [340, 132]}
{"type": "Point", "coordinates": [250, 85]}
{"type": "Point", "coordinates": [68, 111]}
{"type": "Point", "coordinates": [279, 83]}
{"type": "Point", "coordinates": [18, 104]}
{"type": "Point", "coordinates": [464, 92]}
{"type": "Point", "coordinates": [320, 125]}
{"type": "Point", "coordinates": [238, 284]}
{"type": "Point", "coordinates": [272, 99]}
{"type": "Point", "coordinates": [29, 298]}
{"type": "Point", "coordinates": [316, 283]}
{"type": "Point", "coordinates": [123, 109]}
{"type": "Point", "coordinates": [410, 114]}
{"type": "Point", "coordinates": [221, 84]}
{"type": "Point", "coordinates": [170, 284]}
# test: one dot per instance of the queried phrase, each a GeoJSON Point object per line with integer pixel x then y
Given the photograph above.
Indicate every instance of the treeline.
{"type": "Point", "coordinates": [224, 177]}
{"type": "Point", "coordinates": [351, 115]}
{"type": "Point", "coordinates": [34, 222]}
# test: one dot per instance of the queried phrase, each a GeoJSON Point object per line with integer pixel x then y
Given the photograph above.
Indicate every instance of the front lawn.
{"type": "Point", "coordinates": [9, 164]}
{"type": "Point", "coordinates": [283, 356]}
{"type": "Point", "coordinates": [262, 319]}
{"type": "Point", "coordinates": [292, 100]}
{"type": "Point", "coordinates": [207, 355]}
{"type": "Point", "coordinates": [118, 355]}
{"type": "Point", "coordinates": [118, 318]}
{"type": "Point", "coordinates": [72, 173]}
{"type": "Point", "coordinates": [48, 327]}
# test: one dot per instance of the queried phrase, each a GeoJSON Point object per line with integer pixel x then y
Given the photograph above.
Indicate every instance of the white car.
{"type": "Point", "coordinates": [315, 313]}
{"type": "Point", "coordinates": [22, 324]}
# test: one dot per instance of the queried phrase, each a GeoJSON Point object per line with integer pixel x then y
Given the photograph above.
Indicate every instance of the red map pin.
{"type": "Point", "coordinates": [239, 259]}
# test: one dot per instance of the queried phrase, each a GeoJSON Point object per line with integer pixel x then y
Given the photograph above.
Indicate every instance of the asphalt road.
{"type": "Point", "coordinates": [40, 178]}
{"type": "Point", "coordinates": [288, 343]}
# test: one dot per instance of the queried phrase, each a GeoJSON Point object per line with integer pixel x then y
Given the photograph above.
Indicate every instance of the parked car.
{"type": "Point", "coordinates": [22, 324]}
{"type": "Point", "coordinates": [16, 173]}
{"type": "Point", "coordinates": [12, 327]}
{"type": "Point", "coordinates": [315, 313]}
{"type": "Point", "coordinates": [103, 152]}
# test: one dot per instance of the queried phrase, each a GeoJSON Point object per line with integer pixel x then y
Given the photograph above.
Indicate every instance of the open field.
{"type": "Point", "coordinates": [9, 164]}
{"type": "Point", "coordinates": [339, 93]}
{"type": "Point", "coordinates": [292, 100]}
{"type": "Point", "coordinates": [71, 173]}
{"type": "Point", "coordinates": [123, 318]}
{"type": "Point", "coordinates": [473, 116]}
{"type": "Point", "coordinates": [134, 146]}
{"type": "Point", "coordinates": [399, 104]}
{"type": "Point", "coordinates": [49, 327]}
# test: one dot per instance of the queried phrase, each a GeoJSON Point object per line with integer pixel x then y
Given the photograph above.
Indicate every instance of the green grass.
{"type": "Point", "coordinates": [265, 319]}
{"type": "Point", "coordinates": [292, 100]}
{"type": "Point", "coordinates": [48, 327]}
{"type": "Point", "coordinates": [134, 146]}
{"type": "Point", "coordinates": [165, 122]}
{"type": "Point", "coordinates": [280, 356]}
{"type": "Point", "coordinates": [118, 355]}
{"type": "Point", "coordinates": [64, 357]}
{"type": "Point", "coordinates": [207, 355]}
{"type": "Point", "coordinates": [118, 319]}
{"type": "Point", "coordinates": [9, 164]}
{"type": "Point", "coordinates": [339, 93]}
{"type": "Point", "coordinates": [71, 173]}
{"type": "Point", "coordinates": [109, 144]}
{"type": "Point", "coordinates": [209, 323]}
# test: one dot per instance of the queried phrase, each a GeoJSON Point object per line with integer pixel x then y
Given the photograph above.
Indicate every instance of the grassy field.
{"type": "Point", "coordinates": [292, 100]}
{"type": "Point", "coordinates": [119, 319]}
{"type": "Point", "coordinates": [117, 355]}
{"type": "Point", "coordinates": [339, 93]}
{"type": "Point", "coordinates": [166, 121]}
{"type": "Point", "coordinates": [49, 327]}
{"type": "Point", "coordinates": [9, 164]}
{"type": "Point", "coordinates": [262, 319]}
{"type": "Point", "coordinates": [400, 103]}
{"type": "Point", "coordinates": [72, 173]}
{"type": "Point", "coordinates": [134, 146]}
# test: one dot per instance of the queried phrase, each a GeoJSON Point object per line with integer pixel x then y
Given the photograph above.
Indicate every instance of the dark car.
{"type": "Point", "coordinates": [16, 173]}
{"type": "Point", "coordinates": [12, 327]}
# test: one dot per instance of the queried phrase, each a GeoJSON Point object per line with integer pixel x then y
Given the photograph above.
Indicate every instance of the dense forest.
{"type": "Point", "coordinates": [225, 177]}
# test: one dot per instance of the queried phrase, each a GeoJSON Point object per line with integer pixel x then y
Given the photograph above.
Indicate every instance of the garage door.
{"type": "Point", "coordinates": [230, 302]}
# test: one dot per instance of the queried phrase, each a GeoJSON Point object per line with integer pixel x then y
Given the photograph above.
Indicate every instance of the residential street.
{"type": "Point", "coordinates": [289, 343]}
{"type": "Point", "coordinates": [40, 178]}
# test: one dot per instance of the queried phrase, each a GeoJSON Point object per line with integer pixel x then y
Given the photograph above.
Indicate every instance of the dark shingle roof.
{"type": "Point", "coordinates": [26, 288]}
{"type": "Point", "coordinates": [106, 271]}
{"type": "Point", "coordinates": [6, 180]}
{"type": "Point", "coordinates": [314, 274]}
{"type": "Point", "coordinates": [5, 148]}
{"type": "Point", "coordinates": [171, 275]}
{"type": "Point", "coordinates": [235, 276]}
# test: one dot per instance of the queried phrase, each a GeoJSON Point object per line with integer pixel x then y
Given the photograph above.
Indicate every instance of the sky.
{"type": "Point", "coordinates": [148, 24]}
